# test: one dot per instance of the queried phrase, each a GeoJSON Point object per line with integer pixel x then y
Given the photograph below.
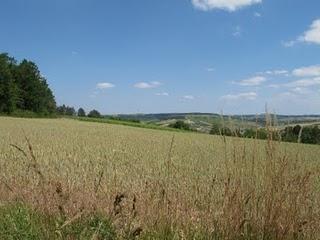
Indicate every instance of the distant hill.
{"type": "Point", "coordinates": [203, 122]}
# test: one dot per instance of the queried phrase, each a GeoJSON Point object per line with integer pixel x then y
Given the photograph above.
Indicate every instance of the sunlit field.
{"type": "Point", "coordinates": [153, 184]}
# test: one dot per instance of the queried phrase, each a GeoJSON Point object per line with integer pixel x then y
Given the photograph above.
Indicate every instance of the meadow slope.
{"type": "Point", "coordinates": [159, 184]}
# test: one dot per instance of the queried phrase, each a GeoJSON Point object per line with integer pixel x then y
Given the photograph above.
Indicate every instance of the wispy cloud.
{"type": "Point", "coordinates": [277, 72]}
{"type": "Point", "coordinates": [257, 14]}
{"type": "Point", "coordinates": [300, 90]}
{"type": "Point", "coordinates": [254, 81]}
{"type": "Point", "coordinates": [308, 82]}
{"type": "Point", "coordinates": [188, 97]}
{"type": "Point", "coordinates": [310, 71]}
{"type": "Point", "coordinates": [147, 85]}
{"type": "Point", "coordinates": [210, 69]}
{"type": "Point", "coordinates": [312, 35]}
{"type": "Point", "coordinates": [228, 5]}
{"type": "Point", "coordinates": [237, 31]}
{"type": "Point", "coordinates": [241, 96]}
{"type": "Point", "coordinates": [289, 44]}
{"type": "Point", "coordinates": [104, 85]}
{"type": "Point", "coordinates": [165, 94]}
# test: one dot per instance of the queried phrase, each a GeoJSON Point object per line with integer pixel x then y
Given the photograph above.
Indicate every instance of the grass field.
{"type": "Point", "coordinates": [67, 179]}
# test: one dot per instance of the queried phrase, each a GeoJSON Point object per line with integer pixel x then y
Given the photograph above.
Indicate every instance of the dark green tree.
{"type": "Point", "coordinates": [8, 90]}
{"type": "Point", "coordinates": [94, 114]}
{"type": "Point", "coordinates": [33, 89]}
{"type": "Point", "coordinates": [66, 110]}
{"type": "Point", "coordinates": [215, 130]}
{"type": "Point", "coordinates": [81, 112]}
{"type": "Point", "coordinates": [180, 125]}
{"type": "Point", "coordinates": [22, 87]}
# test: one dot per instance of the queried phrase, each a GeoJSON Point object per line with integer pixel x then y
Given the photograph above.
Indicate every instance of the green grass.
{"type": "Point", "coordinates": [18, 221]}
{"type": "Point", "coordinates": [129, 123]}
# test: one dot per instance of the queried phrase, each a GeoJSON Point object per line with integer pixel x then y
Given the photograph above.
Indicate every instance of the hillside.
{"type": "Point", "coordinates": [203, 122]}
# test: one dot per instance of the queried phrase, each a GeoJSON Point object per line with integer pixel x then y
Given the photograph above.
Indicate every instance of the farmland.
{"type": "Point", "coordinates": [149, 182]}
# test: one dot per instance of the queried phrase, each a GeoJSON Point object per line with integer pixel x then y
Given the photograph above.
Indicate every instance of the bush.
{"type": "Point", "coordinates": [94, 114]}
{"type": "Point", "coordinates": [81, 112]}
{"type": "Point", "coordinates": [180, 125]}
{"type": "Point", "coordinates": [66, 110]}
{"type": "Point", "coordinates": [256, 133]}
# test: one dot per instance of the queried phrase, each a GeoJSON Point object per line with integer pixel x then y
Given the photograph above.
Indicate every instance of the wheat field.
{"type": "Point", "coordinates": [149, 182]}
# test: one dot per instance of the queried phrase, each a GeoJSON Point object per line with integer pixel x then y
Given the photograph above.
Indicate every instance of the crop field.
{"type": "Point", "coordinates": [152, 184]}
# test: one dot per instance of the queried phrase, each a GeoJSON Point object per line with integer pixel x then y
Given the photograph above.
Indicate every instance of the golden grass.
{"type": "Point", "coordinates": [230, 188]}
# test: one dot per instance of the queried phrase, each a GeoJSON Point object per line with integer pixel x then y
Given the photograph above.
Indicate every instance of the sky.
{"type": "Point", "coordinates": [151, 56]}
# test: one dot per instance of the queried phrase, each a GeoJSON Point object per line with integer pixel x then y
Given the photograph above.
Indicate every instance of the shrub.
{"type": "Point", "coordinates": [94, 114]}
{"type": "Point", "coordinates": [180, 125]}
{"type": "Point", "coordinates": [81, 112]}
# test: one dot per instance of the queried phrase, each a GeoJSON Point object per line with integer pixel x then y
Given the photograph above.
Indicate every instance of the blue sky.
{"type": "Point", "coordinates": [143, 56]}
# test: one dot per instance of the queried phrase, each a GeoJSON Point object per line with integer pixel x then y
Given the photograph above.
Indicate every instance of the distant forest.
{"type": "Point", "coordinates": [23, 88]}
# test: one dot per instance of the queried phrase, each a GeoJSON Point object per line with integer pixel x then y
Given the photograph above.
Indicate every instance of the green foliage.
{"type": "Point", "coordinates": [19, 222]}
{"type": "Point", "coordinates": [129, 123]}
{"type": "Point", "coordinates": [308, 134]}
{"type": "Point", "coordinates": [180, 125]}
{"type": "Point", "coordinates": [81, 112]}
{"type": "Point", "coordinates": [66, 110]}
{"type": "Point", "coordinates": [8, 91]}
{"type": "Point", "coordinates": [124, 119]}
{"type": "Point", "coordinates": [224, 131]}
{"type": "Point", "coordinates": [95, 226]}
{"type": "Point", "coordinates": [215, 130]}
{"type": "Point", "coordinates": [259, 133]}
{"type": "Point", "coordinates": [23, 87]}
{"type": "Point", "coordinates": [94, 114]}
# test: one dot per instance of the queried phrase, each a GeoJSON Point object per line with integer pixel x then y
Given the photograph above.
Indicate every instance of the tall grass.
{"type": "Point", "coordinates": [146, 184]}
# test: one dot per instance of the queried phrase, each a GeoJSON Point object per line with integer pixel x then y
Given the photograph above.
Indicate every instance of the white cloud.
{"type": "Point", "coordinates": [105, 85]}
{"type": "Point", "coordinates": [257, 14]}
{"type": "Point", "coordinates": [188, 97]}
{"type": "Point", "coordinates": [277, 72]}
{"type": "Point", "coordinates": [210, 69]}
{"type": "Point", "coordinates": [146, 85]}
{"type": "Point", "coordinates": [280, 72]}
{"type": "Point", "coordinates": [254, 81]}
{"type": "Point", "coordinates": [229, 5]}
{"type": "Point", "coordinates": [313, 34]}
{"type": "Point", "coordinates": [162, 94]}
{"type": "Point", "coordinates": [308, 82]}
{"type": "Point", "coordinates": [311, 71]}
{"type": "Point", "coordinates": [300, 90]}
{"type": "Point", "coordinates": [241, 96]}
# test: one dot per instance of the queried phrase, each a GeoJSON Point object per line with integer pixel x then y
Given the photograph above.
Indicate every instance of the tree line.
{"type": "Point", "coordinates": [25, 92]}
{"type": "Point", "coordinates": [296, 134]}
{"type": "Point", "coordinates": [23, 88]}
{"type": "Point", "coordinates": [64, 110]}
